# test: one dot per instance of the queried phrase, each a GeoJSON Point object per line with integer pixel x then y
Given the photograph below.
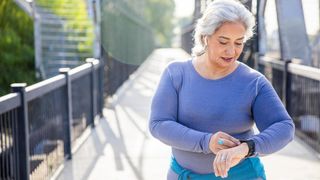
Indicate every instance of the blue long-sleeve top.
{"type": "Point", "coordinates": [187, 109]}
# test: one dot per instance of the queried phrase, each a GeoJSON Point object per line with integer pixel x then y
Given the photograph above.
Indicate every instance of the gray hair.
{"type": "Point", "coordinates": [216, 13]}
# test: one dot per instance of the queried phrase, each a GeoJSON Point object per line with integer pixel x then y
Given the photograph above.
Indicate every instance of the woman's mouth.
{"type": "Point", "coordinates": [227, 59]}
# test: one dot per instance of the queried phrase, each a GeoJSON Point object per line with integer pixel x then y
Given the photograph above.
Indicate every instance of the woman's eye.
{"type": "Point", "coordinates": [223, 43]}
{"type": "Point", "coordinates": [239, 44]}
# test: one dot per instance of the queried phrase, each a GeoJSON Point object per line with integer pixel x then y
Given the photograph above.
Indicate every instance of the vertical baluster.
{"type": "Point", "coordinates": [1, 147]}
{"type": "Point", "coordinates": [15, 144]}
{"type": "Point", "coordinates": [6, 147]}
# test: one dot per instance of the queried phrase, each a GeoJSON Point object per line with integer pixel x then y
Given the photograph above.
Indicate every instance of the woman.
{"type": "Point", "coordinates": [205, 108]}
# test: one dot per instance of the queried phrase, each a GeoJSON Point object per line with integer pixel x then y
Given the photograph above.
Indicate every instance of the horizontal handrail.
{"type": "Point", "coordinates": [79, 71]}
{"type": "Point", "coordinates": [9, 102]}
{"type": "Point", "coordinates": [95, 62]}
{"type": "Point", "coordinates": [84, 69]}
{"type": "Point", "coordinates": [276, 64]}
{"type": "Point", "coordinates": [44, 87]}
{"type": "Point", "coordinates": [297, 69]}
{"type": "Point", "coordinates": [305, 71]}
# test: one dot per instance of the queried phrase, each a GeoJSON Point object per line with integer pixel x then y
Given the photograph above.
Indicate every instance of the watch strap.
{"type": "Point", "coordinates": [251, 146]}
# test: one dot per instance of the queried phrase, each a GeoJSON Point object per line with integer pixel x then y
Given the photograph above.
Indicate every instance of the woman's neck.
{"type": "Point", "coordinates": [212, 70]}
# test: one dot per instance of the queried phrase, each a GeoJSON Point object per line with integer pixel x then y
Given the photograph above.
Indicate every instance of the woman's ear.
{"type": "Point", "coordinates": [205, 40]}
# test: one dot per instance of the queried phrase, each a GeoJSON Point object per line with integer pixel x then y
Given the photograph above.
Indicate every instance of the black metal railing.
{"type": "Point", "coordinates": [46, 115]}
{"type": "Point", "coordinates": [274, 72]}
{"type": "Point", "coordinates": [9, 136]}
{"type": "Point", "coordinates": [81, 108]}
{"type": "Point", "coordinates": [39, 123]}
{"type": "Point", "coordinates": [116, 73]}
{"type": "Point", "coordinates": [299, 88]}
{"type": "Point", "coordinates": [8, 150]}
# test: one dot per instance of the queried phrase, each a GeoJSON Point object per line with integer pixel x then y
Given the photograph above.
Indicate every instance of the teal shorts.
{"type": "Point", "coordinates": [249, 169]}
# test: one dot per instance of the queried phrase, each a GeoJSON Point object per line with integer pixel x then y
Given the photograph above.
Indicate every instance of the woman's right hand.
{"type": "Point", "coordinates": [226, 141]}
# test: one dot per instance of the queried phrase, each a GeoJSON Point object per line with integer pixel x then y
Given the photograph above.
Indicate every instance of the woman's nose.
{"type": "Point", "coordinates": [230, 50]}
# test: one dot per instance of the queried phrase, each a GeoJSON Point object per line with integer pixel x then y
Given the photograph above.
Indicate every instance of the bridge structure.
{"type": "Point", "coordinates": [88, 120]}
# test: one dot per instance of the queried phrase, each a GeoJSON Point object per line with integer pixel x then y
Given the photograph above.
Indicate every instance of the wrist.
{"type": "Point", "coordinates": [244, 149]}
{"type": "Point", "coordinates": [251, 147]}
{"type": "Point", "coordinates": [210, 148]}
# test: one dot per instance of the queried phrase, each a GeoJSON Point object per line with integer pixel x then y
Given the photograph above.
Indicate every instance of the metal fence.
{"type": "Point", "coordinates": [116, 72]}
{"type": "Point", "coordinates": [8, 136]}
{"type": "Point", "coordinates": [39, 123]}
{"type": "Point", "coordinates": [126, 40]}
{"type": "Point", "coordinates": [46, 115]}
{"type": "Point", "coordinates": [299, 88]}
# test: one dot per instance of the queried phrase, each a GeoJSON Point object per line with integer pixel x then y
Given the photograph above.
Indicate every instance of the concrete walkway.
{"type": "Point", "coordinates": [121, 148]}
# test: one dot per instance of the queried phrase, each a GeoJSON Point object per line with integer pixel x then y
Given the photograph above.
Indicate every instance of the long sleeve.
{"type": "Point", "coordinates": [164, 124]}
{"type": "Point", "coordinates": [274, 123]}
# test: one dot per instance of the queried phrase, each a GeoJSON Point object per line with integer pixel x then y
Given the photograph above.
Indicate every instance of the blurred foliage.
{"type": "Point", "coordinates": [75, 14]}
{"type": "Point", "coordinates": [159, 14]}
{"type": "Point", "coordinates": [16, 46]}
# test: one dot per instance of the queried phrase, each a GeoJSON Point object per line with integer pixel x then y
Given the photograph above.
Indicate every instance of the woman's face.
{"type": "Point", "coordinates": [226, 44]}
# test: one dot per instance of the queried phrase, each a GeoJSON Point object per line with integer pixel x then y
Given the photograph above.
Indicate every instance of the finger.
{"type": "Point", "coordinates": [228, 164]}
{"type": "Point", "coordinates": [221, 147]}
{"type": "Point", "coordinates": [228, 143]}
{"type": "Point", "coordinates": [223, 165]}
{"type": "Point", "coordinates": [215, 166]}
{"type": "Point", "coordinates": [215, 171]}
{"type": "Point", "coordinates": [229, 137]}
{"type": "Point", "coordinates": [218, 147]}
{"type": "Point", "coordinates": [220, 165]}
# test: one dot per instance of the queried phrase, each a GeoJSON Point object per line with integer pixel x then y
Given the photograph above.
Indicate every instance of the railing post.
{"type": "Point", "coordinates": [101, 87]}
{"type": "Point", "coordinates": [286, 85]}
{"type": "Point", "coordinates": [93, 90]}
{"type": "Point", "coordinates": [22, 133]}
{"type": "Point", "coordinates": [68, 122]}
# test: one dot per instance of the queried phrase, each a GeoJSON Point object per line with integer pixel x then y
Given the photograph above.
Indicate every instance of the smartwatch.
{"type": "Point", "coordinates": [251, 146]}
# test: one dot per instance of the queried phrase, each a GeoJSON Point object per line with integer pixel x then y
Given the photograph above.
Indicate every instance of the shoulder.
{"type": "Point", "coordinates": [176, 70]}
{"type": "Point", "coordinates": [261, 84]}
{"type": "Point", "coordinates": [177, 65]}
{"type": "Point", "coordinates": [249, 73]}
{"type": "Point", "coordinates": [252, 77]}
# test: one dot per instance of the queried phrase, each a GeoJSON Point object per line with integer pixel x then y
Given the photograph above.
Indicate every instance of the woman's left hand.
{"type": "Point", "coordinates": [227, 158]}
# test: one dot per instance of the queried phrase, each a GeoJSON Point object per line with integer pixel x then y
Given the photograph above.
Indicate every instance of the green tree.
{"type": "Point", "coordinates": [159, 14]}
{"type": "Point", "coordinates": [16, 46]}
